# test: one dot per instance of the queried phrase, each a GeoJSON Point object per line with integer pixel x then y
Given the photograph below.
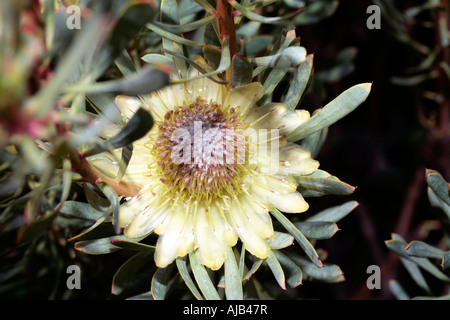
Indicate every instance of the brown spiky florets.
{"type": "Point", "coordinates": [201, 149]}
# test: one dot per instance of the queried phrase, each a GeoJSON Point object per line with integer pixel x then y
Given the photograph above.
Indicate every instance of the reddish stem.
{"type": "Point", "coordinates": [93, 176]}
{"type": "Point", "coordinates": [225, 21]}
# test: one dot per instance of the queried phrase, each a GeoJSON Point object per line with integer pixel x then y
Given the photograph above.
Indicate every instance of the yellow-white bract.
{"type": "Point", "coordinates": [208, 205]}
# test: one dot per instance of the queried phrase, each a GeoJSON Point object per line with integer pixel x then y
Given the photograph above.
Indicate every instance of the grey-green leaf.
{"type": "Point", "coordinates": [233, 280]}
{"type": "Point", "coordinates": [317, 229]}
{"type": "Point", "coordinates": [80, 210]}
{"type": "Point", "coordinates": [299, 83]}
{"type": "Point", "coordinates": [421, 249]}
{"type": "Point", "coordinates": [301, 239]}
{"type": "Point", "coordinates": [438, 185]}
{"type": "Point", "coordinates": [184, 272]}
{"type": "Point", "coordinates": [345, 103]}
{"type": "Point", "coordinates": [293, 272]}
{"type": "Point", "coordinates": [126, 275]}
{"type": "Point", "coordinates": [335, 213]}
{"type": "Point", "coordinates": [281, 240]}
{"type": "Point", "coordinates": [276, 269]}
{"type": "Point", "coordinates": [324, 183]}
{"type": "Point", "coordinates": [160, 282]}
{"type": "Point", "coordinates": [329, 272]}
{"type": "Point", "coordinates": [201, 276]}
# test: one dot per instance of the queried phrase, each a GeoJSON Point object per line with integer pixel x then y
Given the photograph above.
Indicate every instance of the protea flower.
{"type": "Point", "coordinates": [211, 168]}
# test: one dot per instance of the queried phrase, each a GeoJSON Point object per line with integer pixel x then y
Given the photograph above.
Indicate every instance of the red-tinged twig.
{"type": "Point", "coordinates": [227, 28]}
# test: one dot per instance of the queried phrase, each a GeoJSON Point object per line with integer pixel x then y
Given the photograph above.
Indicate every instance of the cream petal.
{"type": "Point", "coordinates": [257, 216]}
{"type": "Point", "coordinates": [281, 184]}
{"type": "Point", "coordinates": [166, 249]}
{"type": "Point", "coordinates": [204, 87]}
{"type": "Point", "coordinates": [171, 238]}
{"type": "Point", "coordinates": [157, 105]}
{"type": "Point", "coordinates": [254, 243]}
{"type": "Point", "coordinates": [222, 228]}
{"type": "Point", "coordinates": [277, 116]}
{"type": "Point", "coordinates": [263, 186]}
{"type": "Point", "coordinates": [296, 160]}
{"type": "Point", "coordinates": [172, 96]}
{"type": "Point", "coordinates": [289, 202]}
{"type": "Point", "coordinates": [291, 120]}
{"type": "Point", "coordinates": [245, 96]}
{"type": "Point", "coordinates": [128, 105]}
{"type": "Point", "coordinates": [134, 206]}
{"type": "Point", "coordinates": [266, 117]}
{"type": "Point", "coordinates": [187, 243]}
{"type": "Point", "coordinates": [212, 250]}
{"type": "Point", "coordinates": [147, 220]}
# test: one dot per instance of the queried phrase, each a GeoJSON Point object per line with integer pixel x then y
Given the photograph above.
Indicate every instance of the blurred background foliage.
{"type": "Point", "coordinates": [382, 148]}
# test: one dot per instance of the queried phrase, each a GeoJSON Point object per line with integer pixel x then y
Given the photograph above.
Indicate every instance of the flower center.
{"type": "Point", "coordinates": [201, 150]}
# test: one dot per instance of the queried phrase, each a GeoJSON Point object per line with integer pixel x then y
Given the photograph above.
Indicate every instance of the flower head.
{"type": "Point", "coordinates": [211, 168]}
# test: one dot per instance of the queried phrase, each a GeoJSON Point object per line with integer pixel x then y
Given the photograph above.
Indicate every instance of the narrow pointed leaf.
{"type": "Point", "coordinates": [184, 272]}
{"type": "Point", "coordinates": [233, 280]}
{"type": "Point", "coordinates": [329, 272]}
{"type": "Point", "coordinates": [275, 75]}
{"type": "Point", "coordinates": [160, 282]}
{"type": "Point", "coordinates": [317, 229]}
{"type": "Point", "coordinates": [416, 274]}
{"type": "Point", "coordinates": [324, 183]}
{"type": "Point", "coordinates": [253, 269]}
{"type": "Point", "coordinates": [108, 244]}
{"type": "Point", "coordinates": [158, 59]}
{"type": "Point", "coordinates": [314, 142]}
{"type": "Point", "coordinates": [398, 291]}
{"type": "Point", "coordinates": [80, 210]}
{"type": "Point", "coordinates": [127, 274]}
{"type": "Point", "coordinates": [293, 272]}
{"type": "Point", "coordinates": [132, 244]}
{"type": "Point", "coordinates": [446, 260]}
{"type": "Point", "coordinates": [334, 214]}
{"type": "Point", "coordinates": [398, 246]}
{"type": "Point", "coordinates": [421, 249]}
{"type": "Point", "coordinates": [345, 103]}
{"type": "Point", "coordinates": [301, 239]}
{"type": "Point", "coordinates": [113, 198]}
{"type": "Point", "coordinates": [187, 27]}
{"type": "Point", "coordinates": [201, 276]}
{"type": "Point", "coordinates": [276, 269]}
{"type": "Point", "coordinates": [281, 240]}
{"type": "Point", "coordinates": [137, 127]}
{"type": "Point", "coordinates": [97, 223]}
{"type": "Point", "coordinates": [173, 37]}
{"type": "Point", "coordinates": [145, 81]}
{"type": "Point", "coordinates": [438, 185]}
{"type": "Point", "coordinates": [299, 83]}
{"type": "Point", "coordinates": [169, 15]}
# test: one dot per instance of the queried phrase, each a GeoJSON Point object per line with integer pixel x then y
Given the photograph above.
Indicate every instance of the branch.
{"type": "Point", "coordinates": [225, 21]}
{"type": "Point", "coordinates": [90, 174]}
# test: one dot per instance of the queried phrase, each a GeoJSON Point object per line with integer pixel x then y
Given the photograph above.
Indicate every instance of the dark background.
{"type": "Point", "coordinates": [381, 147]}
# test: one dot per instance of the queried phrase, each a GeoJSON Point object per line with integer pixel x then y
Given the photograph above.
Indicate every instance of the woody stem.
{"type": "Point", "coordinates": [226, 25]}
